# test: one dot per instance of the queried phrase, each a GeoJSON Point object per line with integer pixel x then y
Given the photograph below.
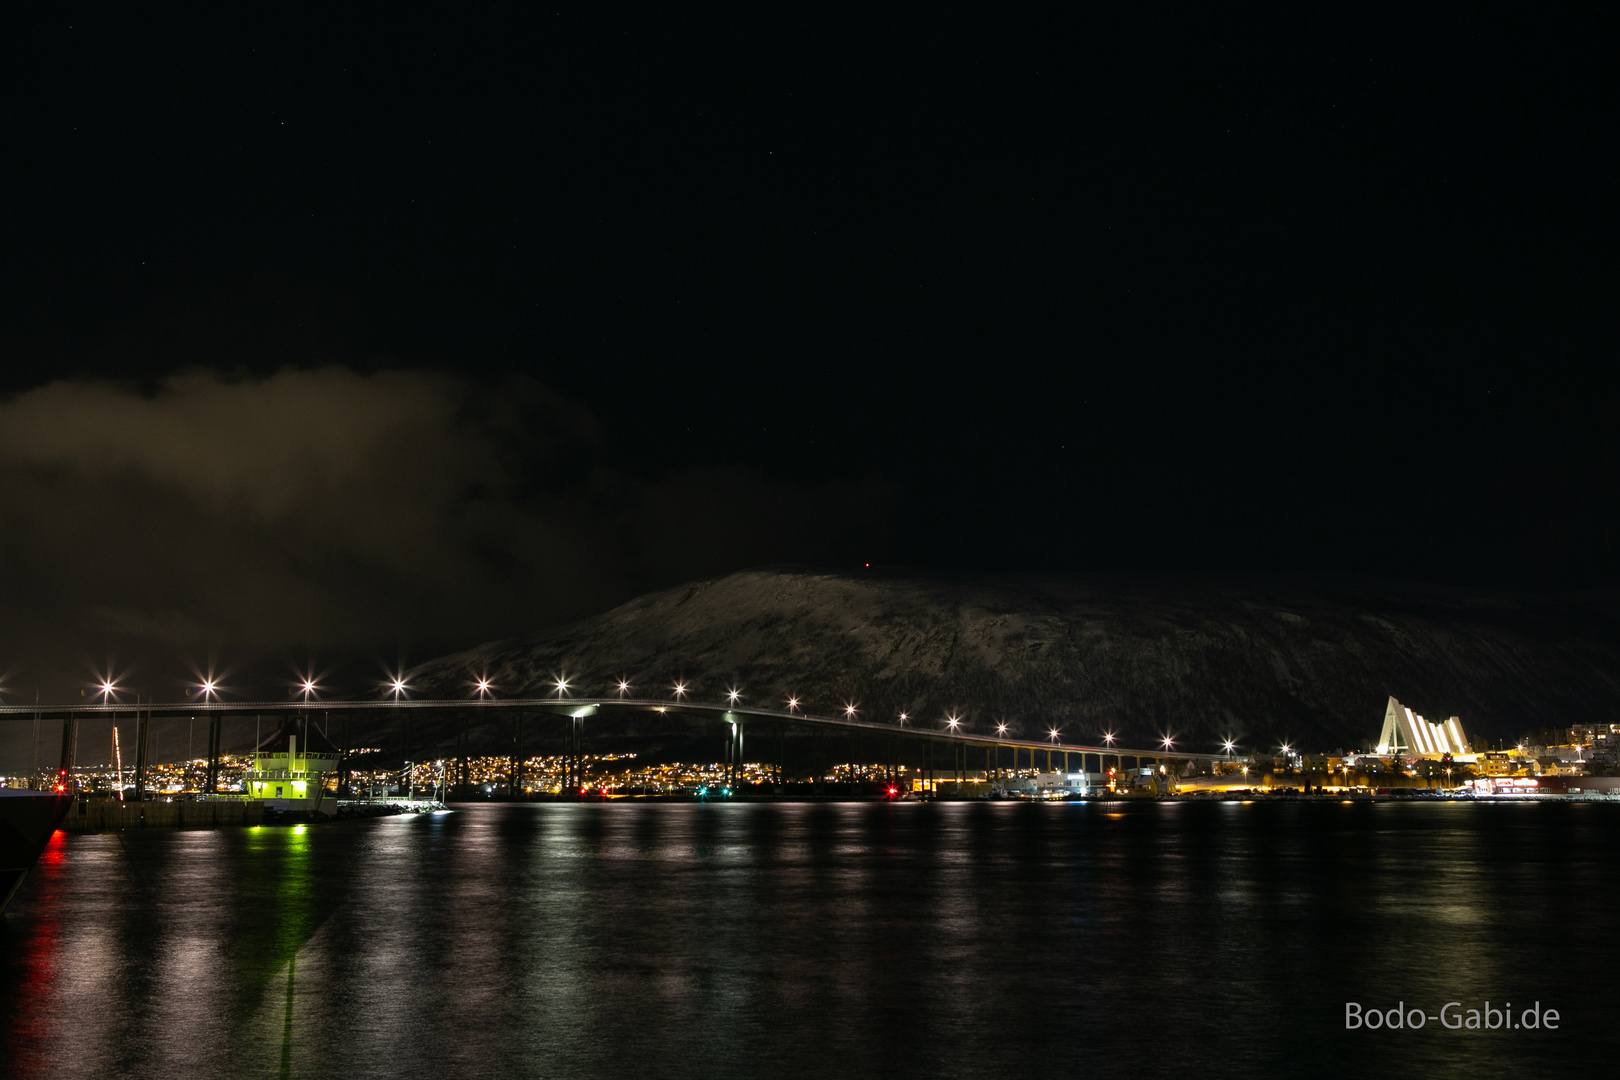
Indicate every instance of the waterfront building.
{"type": "Point", "coordinates": [1406, 732]}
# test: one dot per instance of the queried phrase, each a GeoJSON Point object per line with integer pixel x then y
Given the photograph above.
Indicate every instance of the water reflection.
{"type": "Point", "coordinates": [803, 940]}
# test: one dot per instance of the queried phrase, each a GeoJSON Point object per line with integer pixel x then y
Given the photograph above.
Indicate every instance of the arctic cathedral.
{"type": "Point", "coordinates": [1406, 732]}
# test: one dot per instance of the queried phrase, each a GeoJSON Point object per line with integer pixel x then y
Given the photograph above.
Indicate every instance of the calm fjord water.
{"type": "Point", "coordinates": [742, 940]}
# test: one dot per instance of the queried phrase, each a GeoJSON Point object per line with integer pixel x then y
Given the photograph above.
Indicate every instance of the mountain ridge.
{"type": "Point", "coordinates": [1308, 658]}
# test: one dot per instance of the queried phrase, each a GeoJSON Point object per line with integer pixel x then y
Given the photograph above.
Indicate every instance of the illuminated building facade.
{"type": "Point", "coordinates": [1406, 732]}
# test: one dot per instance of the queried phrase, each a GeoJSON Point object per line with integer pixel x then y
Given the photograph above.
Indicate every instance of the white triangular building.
{"type": "Point", "coordinates": [1406, 732]}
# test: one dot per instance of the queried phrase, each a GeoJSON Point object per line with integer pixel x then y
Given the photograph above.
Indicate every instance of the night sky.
{"type": "Point", "coordinates": [330, 338]}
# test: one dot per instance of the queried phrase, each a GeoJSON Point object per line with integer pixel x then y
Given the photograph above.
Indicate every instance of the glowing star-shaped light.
{"type": "Point", "coordinates": [849, 710]}
{"type": "Point", "coordinates": [732, 695]}
{"type": "Point", "coordinates": [1001, 729]}
{"type": "Point", "coordinates": [1053, 733]}
{"type": "Point", "coordinates": [624, 687]}
{"type": "Point", "coordinates": [904, 718]}
{"type": "Point", "coordinates": [207, 689]}
{"type": "Point", "coordinates": [562, 686]}
{"type": "Point", "coordinates": [1229, 745]}
{"type": "Point", "coordinates": [680, 689]}
{"type": "Point", "coordinates": [483, 687]}
{"type": "Point", "coordinates": [1108, 737]}
{"type": "Point", "coordinates": [953, 722]}
{"type": "Point", "coordinates": [793, 704]}
{"type": "Point", "coordinates": [1167, 742]}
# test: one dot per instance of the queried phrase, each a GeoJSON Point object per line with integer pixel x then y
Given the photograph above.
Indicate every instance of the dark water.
{"type": "Point", "coordinates": [975, 940]}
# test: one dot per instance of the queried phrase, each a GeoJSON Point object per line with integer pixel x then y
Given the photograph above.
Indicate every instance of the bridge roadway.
{"type": "Point", "coordinates": [580, 708]}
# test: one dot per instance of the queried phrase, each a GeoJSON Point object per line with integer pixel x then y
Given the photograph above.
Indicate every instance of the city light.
{"type": "Point", "coordinates": [1167, 742]}
{"type": "Point", "coordinates": [903, 718]}
{"type": "Point", "coordinates": [624, 687]}
{"type": "Point", "coordinates": [1229, 745]}
{"type": "Point", "coordinates": [483, 687]}
{"type": "Point", "coordinates": [732, 695]}
{"type": "Point", "coordinates": [562, 686]}
{"type": "Point", "coordinates": [1001, 729]}
{"type": "Point", "coordinates": [1054, 734]}
{"type": "Point", "coordinates": [793, 704]}
{"type": "Point", "coordinates": [1286, 748]}
{"type": "Point", "coordinates": [849, 710]}
{"type": "Point", "coordinates": [680, 689]}
{"type": "Point", "coordinates": [1108, 737]}
{"type": "Point", "coordinates": [953, 722]}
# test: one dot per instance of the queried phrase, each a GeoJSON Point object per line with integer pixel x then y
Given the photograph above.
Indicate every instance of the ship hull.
{"type": "Point", "coordinates": [27, 820]}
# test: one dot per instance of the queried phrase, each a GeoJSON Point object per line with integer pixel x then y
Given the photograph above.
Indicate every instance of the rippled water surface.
{"type": "Point", "coordinates": [661, 939]}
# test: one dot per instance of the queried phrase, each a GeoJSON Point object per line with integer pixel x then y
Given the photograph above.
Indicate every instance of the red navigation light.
{"type": "Point", "coordinates": [893, 791]}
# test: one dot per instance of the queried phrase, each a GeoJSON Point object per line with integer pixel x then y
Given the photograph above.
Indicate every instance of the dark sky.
{"type": "Point", "coordinates": [327, 336]}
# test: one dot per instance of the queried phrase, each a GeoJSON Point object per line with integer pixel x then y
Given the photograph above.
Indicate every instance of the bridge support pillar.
{"type": "Point", "coordinates": [211, 783]}
{"type": "Point", "coordinates": [143, 724]}
{"type": "Point", "coordinates": [514, 772]}
{"type": "Point", "coordinates": [70, 744]}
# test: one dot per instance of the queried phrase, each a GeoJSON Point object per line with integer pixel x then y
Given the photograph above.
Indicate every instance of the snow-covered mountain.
{"type": "Point", "coordinates": [1311, 659]}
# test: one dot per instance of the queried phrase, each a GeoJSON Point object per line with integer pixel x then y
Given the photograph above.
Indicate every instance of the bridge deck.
{"type": "Point", "coordinates": [577, 707]}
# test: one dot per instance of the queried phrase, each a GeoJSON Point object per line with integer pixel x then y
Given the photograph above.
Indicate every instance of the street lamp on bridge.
{"type": "Point", "coordinates": [680, 690]}
{"type": "Point", "coordinates": [953, 722]}
{"type": "Point", "coordinates": [793, 704]}
{"type": "Point", "coordinates": [624, 687]}
{"type": "Point", "coordinates": [732, 694]}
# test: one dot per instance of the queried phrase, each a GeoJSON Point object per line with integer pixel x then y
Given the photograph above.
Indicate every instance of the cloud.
{"type": "Point", "coordinates": [331, 509]}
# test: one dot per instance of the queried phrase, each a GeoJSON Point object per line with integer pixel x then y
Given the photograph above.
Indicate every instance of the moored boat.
{"type": "Point", "coordinates": [27, 820]}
